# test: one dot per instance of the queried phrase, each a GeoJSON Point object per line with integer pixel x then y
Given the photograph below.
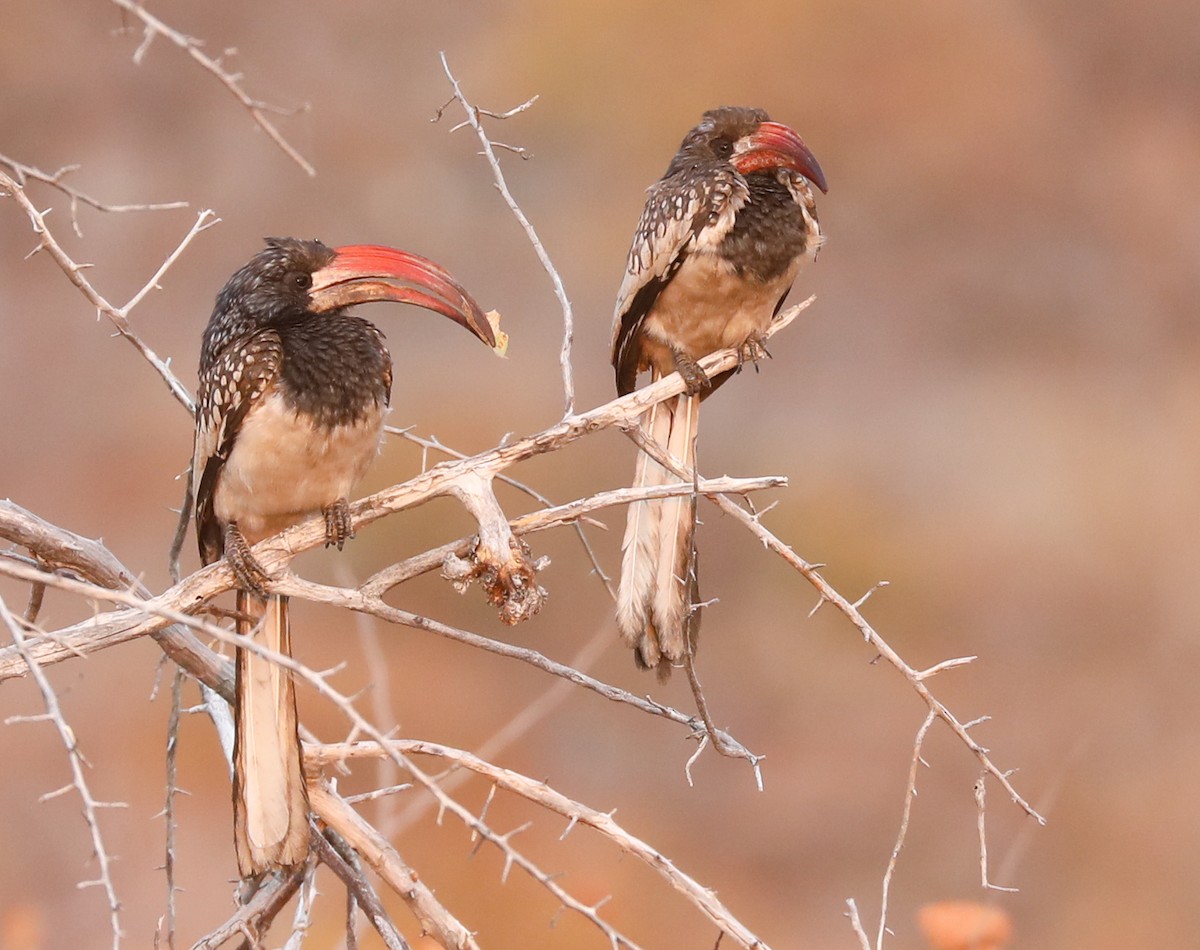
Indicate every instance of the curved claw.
{"type": "Point", "coordinates": [339, 527]}
{"type": "Point", "coordinates": [249, 573]}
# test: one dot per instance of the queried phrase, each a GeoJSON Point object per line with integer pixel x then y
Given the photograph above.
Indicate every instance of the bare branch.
{"type": "Point", "coordinates": [118, 315]}
{"type": "Point", "coordinates": [565, 514]}
{"type": "Point", "coordinates": [21, 172]}
{"type": "Point", "coordinates": [204, 221]}
{"type": "Point", "coordinates": [869, 633]}
{"type": "Point", "coordinates": [947, 665]}
{"type": "Point", "coordinates": [473, 113]}
{"type": "Point", "coordinates": [542, 794]}
{"type": "Point", "coordinates": [856, 923]}
{"type": "Point", "coordinates": [152, 27]}
{"type": "Point", "coordinates": [345, 864]}
{"type": "Point", "coordinates": [254, 917]}
{"type": "Point", "coordinates": [296, 587]}
{"type": "Point", "coordinates": [829, 595]}
{"type": "Point", "coordinates": [981, 810]}
{"type": "Point", "coordinates": [497, 559]}
{"type": "Point", "coordinates": [519, 486]}
{"type": "Point", "coordinates": [711, 732]}
{"type": "Point", "coordinates": [106, 630]}
{"type": "Point", "coordinates": [302, 916]}
{"type": "Point", "coordinates": [149, 616]}
{"type": "Point", "coordinates": [58, 548]}
{"type": "Point", "coordinates": [482, 832]}
{"type": "Point", "coordinates": [910, 793]}
{"type": "Point", "coordinates": [387, 863]}
{"type": "Point", "coordinates": [76, 761]}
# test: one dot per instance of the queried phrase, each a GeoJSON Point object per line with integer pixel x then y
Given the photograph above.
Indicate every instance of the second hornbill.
{"type": "Point", "coordinates": [719, 243]}
{"type": "Point", "coordinates": [289, 414]}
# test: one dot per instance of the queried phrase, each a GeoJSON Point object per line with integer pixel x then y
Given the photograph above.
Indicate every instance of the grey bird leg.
{"type": "Point", "coordinates": [752, 349]}
{"type": "Point", "coordinates": [249, 573]}
{"type": "Point", "coordinates": [338, 526]}
{"type": "Point", "coordinates": [695, 379]}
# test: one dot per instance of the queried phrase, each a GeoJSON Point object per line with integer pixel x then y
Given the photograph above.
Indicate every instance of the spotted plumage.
{"type": "Point", "coordinates": [290, 407]}
{"type": "Point", "coordinates": [330, 369]}
{"type": "Point", "coordinates": [720, 241]}
{"type": "Point", "coordinates": [236, 379]}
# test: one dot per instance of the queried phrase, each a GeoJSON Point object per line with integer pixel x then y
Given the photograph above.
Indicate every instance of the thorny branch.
{"type": "Point", "coordinates": [118, 315]}
{"type": "Point", "coordinates": [981, 824]}
{"type": "Point", "coordinates": [429, 911]}
{"type": "Point", "coordinates": [151, 615]}
{"type": "Point", "coordinates": [910, 793]}
{"type": "Point", "coordinates": [21, 172]}
{"type": "Point", "coordinates": [78, 782]}
{"type": "Point", "coordinates": [473, 113]}
{"type": "Point", "coordinates": [253, 917]}
{"type": "Point", "coordinates": [275, 553]}
{"type": "Point", "coordinates": [575, 813]}
{"type": "Point", "coordinates": [533, 493]}
{"type": "Point", "coordinates": [384, 861]}
{"type": "Point", "coordinates": [152, 27]}
{"type": "Point", "coordinates": [916, 678]}
{"type": "Point", "coordinates": [512, 856]}
{"type": "Point", "coordinates": [342, 860]}
{"type": "Point", "coordinates": [811, 573]}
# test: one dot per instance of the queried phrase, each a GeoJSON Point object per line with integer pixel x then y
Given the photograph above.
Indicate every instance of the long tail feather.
{"type": "Point", "coordinates": [640, 545]}
{"type": "Point", "coordinates": [652, 602]}
{"type": "Point", "coordinates": [669, 609]}
{"type": "Point", "coordinates": [270, 800]}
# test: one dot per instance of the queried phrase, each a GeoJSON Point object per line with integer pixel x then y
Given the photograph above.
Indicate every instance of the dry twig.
{"type": "Point", "coordinates": [473, 113]}
{"type": "Point", "coordinates": [254, 917]}
{"type": "Point", "coordinates": [910, 793]}
{"type": "Point", "coordinates": [21, 172]}
{"type": "Point", "coordinates": [76, 760]}
{"type": "Point", "coordinates": [153, 27]}
{"type": "Point", "coordinates": [811, 573]}
{"type": "Point", "coordinates": [575, 812]}
{"type": "Point", "coordinates": [118, 315]}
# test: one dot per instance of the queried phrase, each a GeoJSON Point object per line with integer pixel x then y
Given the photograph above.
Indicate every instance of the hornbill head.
{"type": "Point", "coordinates": [749, 141]}
{"type": "Point", "coordinates": [291, 279]}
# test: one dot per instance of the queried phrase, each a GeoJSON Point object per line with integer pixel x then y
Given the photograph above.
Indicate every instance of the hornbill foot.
{"type": "Point", "coordinates": [249, 573]}
{"type": "Point", "coordinates": [694, 378]}
{"type": "Point", "coordinates": [338, 526]}
{"type": "Point", "coordinates": [753, 348]}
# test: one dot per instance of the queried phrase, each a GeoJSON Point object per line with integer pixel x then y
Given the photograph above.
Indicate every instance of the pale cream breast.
{"type": "Point", "coordinates": [283, 469]}
{"type": "Point", "coordinates": [706, 307]}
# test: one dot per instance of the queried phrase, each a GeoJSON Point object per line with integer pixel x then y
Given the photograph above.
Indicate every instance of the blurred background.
{"type": "Point", "coordinates": [992, 405]}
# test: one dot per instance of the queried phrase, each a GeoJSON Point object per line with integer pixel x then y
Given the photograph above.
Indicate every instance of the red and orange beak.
{"type": "Point", "coordinates": [360, 273]}
{"type": "Point", "coordinates": [776, 146]}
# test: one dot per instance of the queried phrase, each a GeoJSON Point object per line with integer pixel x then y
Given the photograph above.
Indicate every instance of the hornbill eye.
{"type": "Point", "coordinates": [723, 148]}
{"type": "Point", "coordinates": [303, 281]}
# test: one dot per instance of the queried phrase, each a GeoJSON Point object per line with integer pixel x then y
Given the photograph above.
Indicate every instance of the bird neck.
{"type": "Point", "coordinates": [335, 368]}
{"type": "Point", "coordinates": [770, 230]}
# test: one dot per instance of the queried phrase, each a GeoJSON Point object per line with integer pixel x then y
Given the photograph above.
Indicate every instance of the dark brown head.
{"type": "Point", "coordinates": [749, 141]}
{"type": "Point", "coordinates": [291, 280]}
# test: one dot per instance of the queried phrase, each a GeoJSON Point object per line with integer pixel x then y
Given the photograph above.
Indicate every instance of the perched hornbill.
{"type": "Point", "coordinates": [719, 243]}
{"type": "Point", "coordinates": [292, 396]}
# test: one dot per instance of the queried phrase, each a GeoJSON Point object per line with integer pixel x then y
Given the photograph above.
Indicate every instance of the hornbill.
{"type": "Point", "coordinates": [719, 243]}
{"type": "Point", "coordinates": [289, 415]}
